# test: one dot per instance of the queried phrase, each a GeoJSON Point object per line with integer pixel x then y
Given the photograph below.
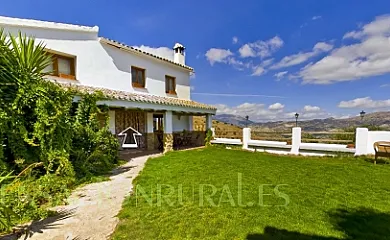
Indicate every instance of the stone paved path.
{"type": "Point", "coordinates": [92, 209]}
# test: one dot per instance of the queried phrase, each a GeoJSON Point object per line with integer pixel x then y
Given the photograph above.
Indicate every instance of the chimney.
{"type": "Point", "coordinates": [179, 56]}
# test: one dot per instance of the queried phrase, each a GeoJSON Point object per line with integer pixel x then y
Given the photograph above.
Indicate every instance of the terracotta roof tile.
{"type": "Point", "coordinates": [136, 97]}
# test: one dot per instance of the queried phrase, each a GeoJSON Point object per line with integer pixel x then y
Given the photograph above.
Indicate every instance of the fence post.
{"type": "Point", "coordinates": [361, 141]}
{"type": "Point", "coordinates": [296, 140]}
{"type": "Point", "coordinates": [246, 137]}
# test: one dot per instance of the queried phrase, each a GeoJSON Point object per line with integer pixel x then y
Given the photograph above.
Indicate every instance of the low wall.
{"type": "Point", "coordinates": [365, 140]}
{"type": "Point", "coordinates": [278, 147]}
{"type": "Point", "coordinates": [376, 136]}
{"type": "Point", "coordinates": [364, 143]}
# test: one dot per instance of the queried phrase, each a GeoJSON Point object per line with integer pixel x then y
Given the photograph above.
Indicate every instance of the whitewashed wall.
{"type": "Point", "coordinates": [376, 136]}
{"type": "Point", "coordinates": [101, 65]}
{"type": "Point", "coordinates": [180, 125]}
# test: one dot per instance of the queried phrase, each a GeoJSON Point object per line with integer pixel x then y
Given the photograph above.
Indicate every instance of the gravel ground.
{"type": "Point", "coordinates": [92, 209]}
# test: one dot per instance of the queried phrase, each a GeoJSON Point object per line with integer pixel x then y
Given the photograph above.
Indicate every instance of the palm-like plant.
{"type": "Point", "coordinates": [22, 64]}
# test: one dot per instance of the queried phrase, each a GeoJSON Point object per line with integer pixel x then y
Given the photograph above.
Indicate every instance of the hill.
{"type": "Point", "coordinates": [233, 119]}
{"type": "Point", "coordinates": [377, 119]}
{"type": "Point", "coordinates": [222, 129]}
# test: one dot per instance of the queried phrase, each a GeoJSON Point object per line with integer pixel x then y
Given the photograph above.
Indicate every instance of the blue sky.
{"type": "Point", "coordinates": [332, 57]}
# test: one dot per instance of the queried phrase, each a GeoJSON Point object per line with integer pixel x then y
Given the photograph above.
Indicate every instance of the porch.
{"type": "Point", "coordinates": [141, 130]}
{"type": "Point", "coordinates": [151, 122]}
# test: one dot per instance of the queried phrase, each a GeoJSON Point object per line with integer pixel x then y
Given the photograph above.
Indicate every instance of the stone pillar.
{"type": "Point", "coordinates": [111, 123]}
{"type": "Point", "coordinates": [361, 141]}
{"type": "Point", "coordinates": [168, 132]}
{"type": "Point", "coordinates": [209, 121]}
{"type": "Point", "coordinates": [149, 131]}
{"type": "Point", "coordinates": [190, 123]}
{"type": "Point", "coordinates": [296, 140]}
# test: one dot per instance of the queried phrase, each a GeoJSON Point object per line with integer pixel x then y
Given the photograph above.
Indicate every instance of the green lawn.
{"type": "Point", "coordinates": [317, 198]}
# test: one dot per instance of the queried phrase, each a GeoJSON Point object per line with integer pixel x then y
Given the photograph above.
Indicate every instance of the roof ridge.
{"type": "Point", "coordinates": [45, 24]}
{"type": "Point", "coordinates": [110, 41]}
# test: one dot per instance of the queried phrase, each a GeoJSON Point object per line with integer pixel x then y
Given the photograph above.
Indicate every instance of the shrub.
{"type": "Point", "coordinates": [27, 198]}
{"type": "Point", "coordinates": [94, 149]}
{"type": "Point", "coordinates": [209, 137]}
{"type": "Point", "coordinates": [41, 126]}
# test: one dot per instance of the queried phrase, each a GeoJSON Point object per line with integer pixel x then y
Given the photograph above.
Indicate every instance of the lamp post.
{"type": "Point", "coordinates": [296, 119]}
{"type": "Point", "coordinates": [247, 120]}
{"type": "Point", "coordinates": [362, 114]}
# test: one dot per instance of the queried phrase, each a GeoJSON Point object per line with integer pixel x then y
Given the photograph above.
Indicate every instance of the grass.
{"type": "Point", "coordinates": [328, 198]}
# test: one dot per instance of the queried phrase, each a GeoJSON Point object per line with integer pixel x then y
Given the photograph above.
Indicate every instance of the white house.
{"type": "Point", "coordinates": [148, 93]}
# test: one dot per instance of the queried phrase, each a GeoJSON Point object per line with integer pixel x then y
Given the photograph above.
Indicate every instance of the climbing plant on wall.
{"type": "Point", "coordinates": [38, 118]}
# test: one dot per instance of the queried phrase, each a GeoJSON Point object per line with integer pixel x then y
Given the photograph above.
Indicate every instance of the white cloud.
{"type": "Point", "coordinates": [309, 108]}
{"type": "Point", "coordinates": [369, 57]}
{"type": "Point", "coordinates": [267, 62]}
{"type": "Point", "coordinates": [247, 51]}
{"type": "Point", "coordinates": [235, 40]}
{"type": "Point", "coordinates": [261, 48]}
{"type": "Point", "coordinates": [258, 71]}
{"type": "Point", "coordinates": [302, 57]}
{"type": "Point", "coordinates": [316, 18]}
{"type": "Point", "coordinates": [237, 64]}
{"type": "Point", "coordinates": [214, 55]}
{"type": "Point", "coordinates": [385, 85]}
{"type": "Point", "coordinates": [159, 51]}
{"type": "Point", "coordinates": [255, 111]}
{"type": "Point", "coordinates": [353, 34]}
{"type": "Point", "coordinates": [280, 75]}
{"type": "Point", "coordinates": [379, 27]}
{"type": "Point", "coordinates": [261, 68]}
{"type": "Point", "coordinates": [259, 112]}
{"type": "Point", "coordinates": [322, 47]}
{"type": "Point", "coordinates": [292, 60]}
{"type": "Point", "coordinates": [365, 102]}
{"type": "Point", "coordinates": [276, 107]}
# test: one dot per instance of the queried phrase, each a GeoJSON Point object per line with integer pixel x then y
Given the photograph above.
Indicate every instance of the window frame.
{"type": "Point", "coordinates": [173, 92]}
{"type": "Point", "coordinates": [56, 73]}
{"type": "Point", "coordinates": [136, 84]}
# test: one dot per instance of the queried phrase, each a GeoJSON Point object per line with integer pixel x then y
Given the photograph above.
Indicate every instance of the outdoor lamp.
{"type": "Point", "coordinates": [296, 119]}
{"type": "Point", "coordinates": [362, 113]}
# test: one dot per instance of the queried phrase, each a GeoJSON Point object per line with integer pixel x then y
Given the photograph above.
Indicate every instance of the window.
{"type": "Point", "coordinates": [138, 77]}
{"type": "Point", "coordinates": [61, 66]}
{"type": "Point", "coordinates": [170, 84]}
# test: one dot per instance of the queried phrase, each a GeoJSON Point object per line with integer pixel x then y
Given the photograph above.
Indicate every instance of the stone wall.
{"type": "Point", "coordinates": [150, 141]}
{"type": "Point", "coordinates": [168, 142]}
{"type": "Point", "coordinates": [125, 118]}
{"type": "Point", "coordinates": [196, 139]}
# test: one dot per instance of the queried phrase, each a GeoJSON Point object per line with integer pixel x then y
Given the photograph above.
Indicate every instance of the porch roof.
{"type": "Point", "coordinates": [141, 98]}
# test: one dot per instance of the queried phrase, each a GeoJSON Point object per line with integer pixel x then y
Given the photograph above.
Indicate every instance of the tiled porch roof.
{"type": "Point", "coordinates": [136, 97]}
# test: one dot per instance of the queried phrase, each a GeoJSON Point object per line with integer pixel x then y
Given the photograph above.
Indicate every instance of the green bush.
{"type": "Point", "coordinates": [94, 149]}
{"type": "Point", "coordinates": [208, 138]}
{"type": "Point", "coordinates": [29, 198]}
{"type": "Point", "coordinates": [42, 127]}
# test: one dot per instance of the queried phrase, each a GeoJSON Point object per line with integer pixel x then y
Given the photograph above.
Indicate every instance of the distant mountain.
{"type": "Point", "coordinates": [233, 119]}
{"type": "Point", "coordinates": [378, 119]}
